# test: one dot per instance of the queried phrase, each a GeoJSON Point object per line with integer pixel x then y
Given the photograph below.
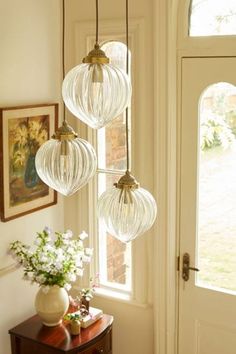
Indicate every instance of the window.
{"type": "Point", "coordinates": [126, 277]}
{"type": "Point", "coordinates": [114, 261]}
{"type": "Point", "coordinates": [212, 18]}
{"type": "Point", "coordinates": [217, 188]}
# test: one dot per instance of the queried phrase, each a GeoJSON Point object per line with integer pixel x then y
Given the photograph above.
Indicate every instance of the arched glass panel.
{"type": "Point", "coordinates": [212, 18]}
{"type": "Point", "coordinates": [216, 227]}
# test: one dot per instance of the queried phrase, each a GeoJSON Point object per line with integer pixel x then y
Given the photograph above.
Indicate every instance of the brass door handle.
{"type": "Point", "coordinates": [186, 267]}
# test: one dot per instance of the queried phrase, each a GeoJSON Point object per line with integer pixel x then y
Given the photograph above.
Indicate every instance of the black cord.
{"type": "Point", "coordinates": [96, 21]}
{"type": "Point", "coordinates": [127, 71]}
{"type": "Point", "coordinates": [63, 52]}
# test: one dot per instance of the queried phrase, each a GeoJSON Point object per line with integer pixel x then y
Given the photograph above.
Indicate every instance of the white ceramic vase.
{"type": "Point", "coordinates": [51, 305]}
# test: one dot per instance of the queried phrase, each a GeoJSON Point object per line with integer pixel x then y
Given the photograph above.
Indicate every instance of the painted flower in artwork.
{"type": "Point", "coordinates": [26, 135]}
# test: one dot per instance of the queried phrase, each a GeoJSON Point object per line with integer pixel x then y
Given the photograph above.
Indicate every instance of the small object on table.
{"type": "Point", "coordinates": [75, 327]}
{"type": "Point", "coordinates": [84, 302]}
{"type": "Point", "coordinates": [74, 319]}
{"type": "Point", "coordinates": [93, 315]}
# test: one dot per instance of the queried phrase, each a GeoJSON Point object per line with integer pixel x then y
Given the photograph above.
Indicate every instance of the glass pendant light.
{"type": "Point", "coordinates": [96, 92]}
{"type": "Point", "coordinates": [127, 210]}
{"type": "Point", "coordinates": [65, 163]}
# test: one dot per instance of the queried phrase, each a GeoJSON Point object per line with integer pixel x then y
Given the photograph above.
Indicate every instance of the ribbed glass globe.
{"type": "Point", "coordinates": [96, 93]}
{"type": "Point", "coordinates": [66, 165]}
{"type": "Point", "coordinates": [126, 219]}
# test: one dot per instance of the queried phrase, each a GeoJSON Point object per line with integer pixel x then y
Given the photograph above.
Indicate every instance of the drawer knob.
{"type": "Point", "coordinates": [99, 351]}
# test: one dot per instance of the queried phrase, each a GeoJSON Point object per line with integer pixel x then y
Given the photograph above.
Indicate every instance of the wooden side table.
{"type": "Point", "coordinates": [32, 337]}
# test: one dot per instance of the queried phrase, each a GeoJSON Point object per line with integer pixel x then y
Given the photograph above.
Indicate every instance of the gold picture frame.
{"type": "Point", "coordinates": [22, 131]}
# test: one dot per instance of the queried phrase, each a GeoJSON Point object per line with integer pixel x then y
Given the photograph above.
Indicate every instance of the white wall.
{"type": "Point", "coordinates": [30, 73]}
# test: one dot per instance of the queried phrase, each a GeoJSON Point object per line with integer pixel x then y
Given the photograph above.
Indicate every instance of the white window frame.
{"type": "Point", "coordinates": [141, 249]}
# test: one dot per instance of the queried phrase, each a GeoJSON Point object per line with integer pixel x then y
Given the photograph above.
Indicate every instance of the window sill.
{"type": "Point", "coordinates": [120, 297]}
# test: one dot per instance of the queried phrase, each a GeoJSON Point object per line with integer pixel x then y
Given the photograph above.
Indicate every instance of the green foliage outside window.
{"type": "Point", "coordinates": [215, 131]}
{"type": "Point", "coordinates": [218, 120]}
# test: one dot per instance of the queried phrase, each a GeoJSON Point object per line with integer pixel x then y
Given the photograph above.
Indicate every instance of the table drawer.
{"type": "Point", "coordinates": [102, 346]}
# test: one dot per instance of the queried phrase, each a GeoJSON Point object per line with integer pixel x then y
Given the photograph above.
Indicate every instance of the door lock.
{"type": "Point", "coordinates": [186, 267]}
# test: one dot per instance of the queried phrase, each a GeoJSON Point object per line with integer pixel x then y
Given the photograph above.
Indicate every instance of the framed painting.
{"type": "Point", "coordinates": [22, 131]}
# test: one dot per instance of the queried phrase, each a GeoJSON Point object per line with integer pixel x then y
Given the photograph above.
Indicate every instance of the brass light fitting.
{"type": "Point", "coordinates": [96, 56]}
{"type": "Point", "coordinates": [65, 132]}
{"type": "Point", "coordinates": [126, 184]}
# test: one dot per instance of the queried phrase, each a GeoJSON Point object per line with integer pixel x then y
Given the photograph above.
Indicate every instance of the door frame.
{"type": "Point", "coordinates": [165, 132]}
{"type": "Point", "coordinates": [171, 44]}
{"type": "Point", "coordinates": [191, 47]}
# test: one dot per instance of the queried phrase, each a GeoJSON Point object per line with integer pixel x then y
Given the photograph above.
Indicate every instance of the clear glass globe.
{"type": "Point", "coordinates": [96, 93]}
{"type": "Point", "coordinates": [124, 219]}
{"type": "Point", "coordinates": [66, 165]}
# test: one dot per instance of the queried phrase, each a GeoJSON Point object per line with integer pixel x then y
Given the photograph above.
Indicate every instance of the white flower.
{"type": "Point", "coordinates": [70, 250]}
{"type": "Point", "coordinates": [40, 279]}
{"type": "Point", "coordinates": [37, 242]}
{"type": "Point", "coordinates": [60, 257]}
{"type": "Point", "coordinates": [59, 252]}
{"type": "Point", "coordinates": [80, 272]}
{"type": "Point", "coordinates": [43, 257]}
{"type": "Point", "coordinates": [80, 243]}
{"type": "Point", "coordinates": [66, 241]}
{"type": "Point", "coordinates": [78, 261]}
{"type": "Point", "coordinates": [68, 234]}
{"type": "Point", "coordinates": [67, 286]}
{"type": "Point", "coordinates": [58, 265]}
{"type": "Point", "coordinates": [53, 271]}
{"type": "Point", "coordinates": [47, 248]}
{"type": "Point", "coordinates": [71, 277]}
{"type": "Point", "coordinates": [89, 251]}
{"type": "Point", "coordinates": [86, 259]}
{"type": "Point", "coordinates": [83, 235]}
{"type": "Point", "coordinates": [48, 230]}
{"type": "Point", "coordinates": [44, 267]}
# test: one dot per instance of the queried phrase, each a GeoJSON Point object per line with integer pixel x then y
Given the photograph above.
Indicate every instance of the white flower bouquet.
{"type": "Point", "coordinates": [55, 259]}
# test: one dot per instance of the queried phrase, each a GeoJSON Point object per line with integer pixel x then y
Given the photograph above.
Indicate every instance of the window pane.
{"type": "Point", "coordinates": [116, 51]}
{"type": "Point", "coordinates": [217, 188]}
{"type": "Point", "coordinates": [213, 17]}
{"type": "Point", "coordinates": [115, 256]}
{"type": "Point", "coordinates": [111, 139]}
{"type": "Point", "coordinates": [112, 146]}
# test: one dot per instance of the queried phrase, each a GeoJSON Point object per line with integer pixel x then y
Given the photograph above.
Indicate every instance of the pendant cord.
{"type": "Point", "coordinates": [127, 71]}
{"type": "Point", "coordinates": [96, 21]}
{"type": "Point", "coordinates": [63, 52]}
